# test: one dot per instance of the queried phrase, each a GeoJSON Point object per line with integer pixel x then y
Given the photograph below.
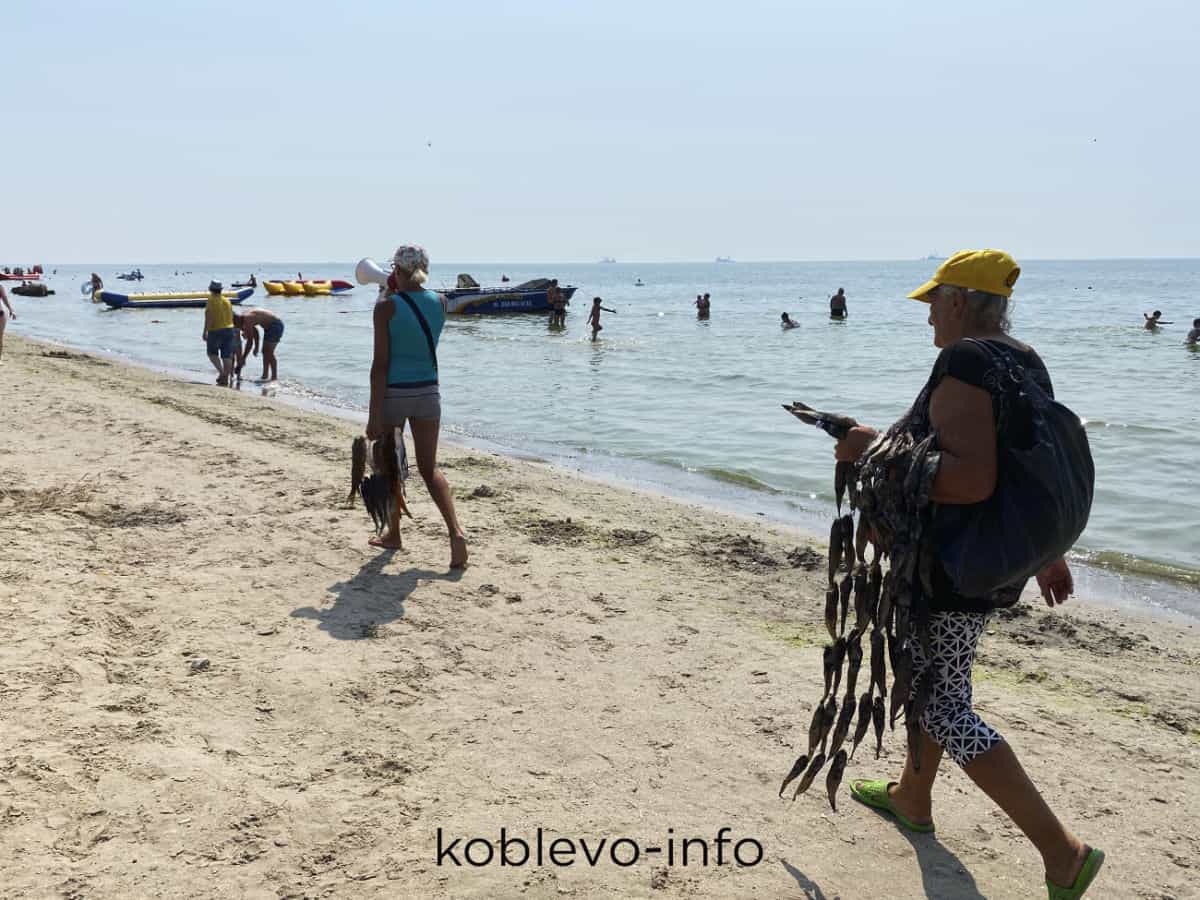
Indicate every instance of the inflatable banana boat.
{"type": "Point", "coordinates": [184, 300]}
{"type": "Point", "coordinates": [306, 288]}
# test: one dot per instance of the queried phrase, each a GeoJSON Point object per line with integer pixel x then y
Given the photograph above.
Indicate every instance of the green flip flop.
{"type": "Point", "coordinates": [1091, 868]}
{"type": "Point", "coordinates": [875, 795]}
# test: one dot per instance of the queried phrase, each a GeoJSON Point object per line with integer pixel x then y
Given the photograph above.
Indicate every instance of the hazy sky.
{"type": "Point", "coordinates": [566, 131]}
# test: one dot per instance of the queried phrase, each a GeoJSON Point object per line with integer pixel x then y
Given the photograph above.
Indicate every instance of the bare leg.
{"type": "Point", "coordinates": [913, 795]}
{"type": "Point", "coordinates": [998, 773]}
{"type": "Point", "coordinates": [270, 363]}
{"type": "Point", "coordinates": [227, 370]}
{"type": "Point", "coordinates": [425, 441]}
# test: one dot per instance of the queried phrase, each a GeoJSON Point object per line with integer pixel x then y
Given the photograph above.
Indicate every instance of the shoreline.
{"type": "Point", "coordinates": [1174, 599]}
{"type": "Point", "coordinates": [212, 680]}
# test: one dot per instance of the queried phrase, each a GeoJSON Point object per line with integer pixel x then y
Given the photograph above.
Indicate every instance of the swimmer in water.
{"type": "Point", "coordinates": [1152, 322]}
{"type": "Point", "coordinates": [703, 305]}
{"type": "Point", "coordinates": [1193, 336]}
{"type": "Point", "coordinates": [594, 316]}
{"type": "Point", "coordinates": [786, 322]}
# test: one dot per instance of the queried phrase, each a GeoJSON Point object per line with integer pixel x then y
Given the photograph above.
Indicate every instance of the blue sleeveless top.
{"type": "Point", "coordinates": [409, 361]}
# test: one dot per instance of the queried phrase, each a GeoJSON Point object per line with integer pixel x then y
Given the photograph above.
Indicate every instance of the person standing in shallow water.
{"type": "Point", "coordinates": [594, 317]}
{"type": "Point", "coordinates": [408, 321]}
{"type": "Point", "coordinates": [219, 335]}
{"type": "Point", "coordinates": [837, 305]}
{"type": "Point", "coordinates": [703, 306]}
{"type": "Point", "coordinates": [1193, 336]}
{"type": "Point", "coordinates": [968, 297]}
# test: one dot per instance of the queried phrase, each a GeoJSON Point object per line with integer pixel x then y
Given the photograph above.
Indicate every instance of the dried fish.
{"type": "Point", "coordinates": [848, 541]}
{"type": "Point", "coordinates": [829, 714]}
{"type": "Point", "coordinates": [855, 653]}
{"type": "Point", "coordinates": [839, 657]}
{"type": "Point", "coordinates": [901, 682]}
{"type": "Point", "coordinates": [798, 766]}
{"type": "Point", "coordinates": [814, 729]}
{"type": "Point", "coordinates": [844, 720]}
{"type": "Point", "coordinates": [846, 589]}
{"type": "Point", "coordinates": [862, 537]}
{"type": "Point", "coordinates": [864, 721]}
{"type": "Point", "coordinates": [813, 768]}
{"type": "Point", "coordinates": [842, 473]}
{"type": "Point", "coordinates": [877, 715]}
{"type": "Point", "coordinates": [835, 548]}
{"type": "Point", "coordinates": [827, 661]}
{"type": "Point", "coordinates": [862, 598]}
{"type": "Point", "coordinates": [878, 665]}
{"type": "Point", "coordinates": [831, 612]}
{"type": "Point", "coordinates": [834, 779]}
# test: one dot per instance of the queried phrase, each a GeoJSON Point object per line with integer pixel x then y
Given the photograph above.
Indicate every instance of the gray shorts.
{"type": "Point", "coordinates": [401, 404]}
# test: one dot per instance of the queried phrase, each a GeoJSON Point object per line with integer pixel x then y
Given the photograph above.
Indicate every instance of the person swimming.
{"type": "Point", "coordinates": [786, 322]}
{"type": "Point", "coordinates": [1153, 321]}
{"type": "Point", "coordinates": [1193, 336]}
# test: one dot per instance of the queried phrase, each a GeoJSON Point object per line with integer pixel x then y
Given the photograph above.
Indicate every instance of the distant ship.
{"type": "Point", "coordinates": [607, 259]}
{"type": "Point", "coordinates": [724, 259]}
{"type": "Point", "coordinates": [934, 257]}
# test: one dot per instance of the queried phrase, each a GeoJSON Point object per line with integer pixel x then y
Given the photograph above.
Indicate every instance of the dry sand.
{"type": "Point", "coordinates": [611, 665]}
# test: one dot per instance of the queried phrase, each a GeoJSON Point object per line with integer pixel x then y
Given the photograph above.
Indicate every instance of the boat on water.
{"type": "Point", "coordinates": [723, 259]}
{"type": "Point", "coordinates": [19, 275]}
{"type": "Point", "coordinates": [135, 275]}
{"type": "Point", "coordinates": [32, 289]}
{"type": "Point", "coordinates": [607, 260]}
{"type": "Point", "coordinates": [309, 287]}
{"type": "Point", "coordinates": [177, 300]}
{"type": "Point", "coordinates": [470, 298]}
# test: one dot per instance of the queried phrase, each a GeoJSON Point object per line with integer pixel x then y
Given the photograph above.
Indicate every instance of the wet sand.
{"type": "Point", "coordinates": [214, 687]}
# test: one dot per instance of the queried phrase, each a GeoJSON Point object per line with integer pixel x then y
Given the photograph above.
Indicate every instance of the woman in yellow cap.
{"type": "Point", "coordinates": [964, 404]}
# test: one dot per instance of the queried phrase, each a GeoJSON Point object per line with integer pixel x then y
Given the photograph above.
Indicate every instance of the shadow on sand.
{"type": "Point", "coordinates": [370, 599]}
{"type": "Point", "coordinates": [942, 873]}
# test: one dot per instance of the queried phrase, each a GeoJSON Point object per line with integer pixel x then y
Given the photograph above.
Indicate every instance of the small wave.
{"type": "Point", "coordinates": [742, 479]}
{"type": "Point", "coordinates": [1128, 564]}
{"type": "Point", "coordinates": [1093, 424]}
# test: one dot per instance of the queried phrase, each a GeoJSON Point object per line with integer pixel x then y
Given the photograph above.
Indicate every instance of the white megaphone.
{"type": "Point", "coordinates": [368, 272]}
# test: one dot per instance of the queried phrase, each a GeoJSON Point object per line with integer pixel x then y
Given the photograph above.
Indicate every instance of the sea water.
{"type": "Point", "coordinates": [693, 407]}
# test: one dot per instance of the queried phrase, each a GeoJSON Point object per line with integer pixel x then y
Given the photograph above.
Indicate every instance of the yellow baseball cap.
{"type": "Point", "coordinates": [991, 271]}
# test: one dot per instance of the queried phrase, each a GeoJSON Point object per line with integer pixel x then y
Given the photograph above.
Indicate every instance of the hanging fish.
{"type": "Point", "coordinates": [827, 662]}
{"type": "Point", "coordinates": [842, 473]}
{"type": "Point", "coordinates": [862, 537]}
{"type": "Point", "coordinates": [829, 714]}
{"type": "Point", "coordinates": [834, 779]}
{"type": "Point", "coordinates": [839, 657]}
{"type": "Point", "coordinates": [878, 667]}
{"type": "Point", "coordinates": [862, 598]}
{"type": "Point", "coordinates": [877, 720]}
{"type": "Point", "coordinates": [835, 548]}
{"type": "Point", "coordinates": [798, 766]}
{"type": "Point", "coordinates": [831, 612]}
{"type": "Point", "coordinates": [813, 768]}
{"type": "Point", "coordinates": [846, 589]}
{"type": "Point", "coordinates": [864, 721]}
{"type": "Point", "coordinates": [814, 729]}
{"type": "Point", "coordinates": [848, 541]}
{"type": "Point", "coordinates": [855, 653]}
{"type": "Point", "coordinates": [842, 728]}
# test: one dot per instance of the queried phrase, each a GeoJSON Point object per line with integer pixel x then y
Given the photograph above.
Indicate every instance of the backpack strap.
{"type": "Point", "coordinates": [424, 323]}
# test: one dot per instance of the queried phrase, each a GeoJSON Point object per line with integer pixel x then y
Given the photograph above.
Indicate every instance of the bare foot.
{"type": "Point", "coordinates": [387, 542]}
{"type": "Point", "coordinates": [458, 552]}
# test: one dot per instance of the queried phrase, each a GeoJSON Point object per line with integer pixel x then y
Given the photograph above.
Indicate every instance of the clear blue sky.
{"type": "Point", "coordinates": [560, 131]}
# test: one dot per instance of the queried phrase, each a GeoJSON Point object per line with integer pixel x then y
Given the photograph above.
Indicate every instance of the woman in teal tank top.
{"type": "Point", "coordinates": [404, 384]}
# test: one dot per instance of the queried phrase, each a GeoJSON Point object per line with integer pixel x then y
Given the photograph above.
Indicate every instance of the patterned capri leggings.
{"type": "Point", "coordinates": [949, 718]}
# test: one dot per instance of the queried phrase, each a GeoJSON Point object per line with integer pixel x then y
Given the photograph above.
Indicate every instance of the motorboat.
{"type": "Point", "coordinates": [470, 298]}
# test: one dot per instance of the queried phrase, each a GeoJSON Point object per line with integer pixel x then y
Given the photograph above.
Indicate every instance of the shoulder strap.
{"type": "Point", "coordinates": [424, 323]}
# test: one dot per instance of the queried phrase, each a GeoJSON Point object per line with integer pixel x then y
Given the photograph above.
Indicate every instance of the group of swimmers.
{"type": "Point", "coordinates": [558, 309]}
{"type": "Point", "coordinates": [230, 337]}
{"type": "Point", "coordinates": [1155, 320]}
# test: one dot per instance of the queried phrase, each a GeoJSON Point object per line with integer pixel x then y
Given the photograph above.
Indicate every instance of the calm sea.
{"type": "Point", "coordinates": [693, 408]}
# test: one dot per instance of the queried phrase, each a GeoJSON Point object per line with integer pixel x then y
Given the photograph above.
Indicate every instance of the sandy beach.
{"type": "Point", "coordinates": [214, 687]}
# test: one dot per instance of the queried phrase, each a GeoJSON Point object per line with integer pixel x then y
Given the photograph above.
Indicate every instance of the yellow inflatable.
{"type": "Point", "coordinates": [273, 287]}
{"type": "Point", "coordinates": [292, 288]}
{"type": "Point", "coordinates": [313, 288]}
